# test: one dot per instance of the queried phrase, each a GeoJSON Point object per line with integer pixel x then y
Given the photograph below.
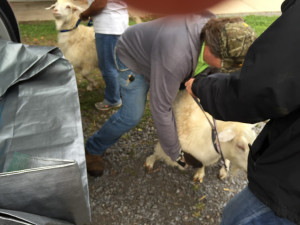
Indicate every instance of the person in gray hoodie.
{"type": "Point", "coordinates": [160, 55]}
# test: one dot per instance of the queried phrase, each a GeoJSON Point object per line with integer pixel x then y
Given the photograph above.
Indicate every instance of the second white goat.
{"type": "Point", "coordinates": [76, 42]}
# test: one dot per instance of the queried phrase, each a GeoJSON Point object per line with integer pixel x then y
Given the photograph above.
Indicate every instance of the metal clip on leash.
{"type": "Point", "coordinates": [90, 23]}
{"type": "Point", "coordinates": [216, 142]}
{"type": "Point", "coordinates": [180, 160]}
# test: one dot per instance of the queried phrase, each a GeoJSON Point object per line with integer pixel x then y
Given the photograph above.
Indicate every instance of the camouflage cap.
{"type": "Point", "coordinates": [235, 39]}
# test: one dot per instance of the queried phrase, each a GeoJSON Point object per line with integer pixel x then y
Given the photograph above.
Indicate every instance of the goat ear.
{"type": "Point", "coordinates": [242, 146]}
{"type": "Point", "coordinates": [76, 9]}
{"type": "Point", "coordinates": [51, 7]}
{"type": "Point", "coordinates": [226, 135]}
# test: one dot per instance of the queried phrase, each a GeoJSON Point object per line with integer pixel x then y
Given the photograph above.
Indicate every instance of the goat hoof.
{"type": "Point", "coordinates": [196, 179]}
{"type": "Point", "coordinates": [147, 167]}
{"type": "Point", "coordinates": [223, 174]}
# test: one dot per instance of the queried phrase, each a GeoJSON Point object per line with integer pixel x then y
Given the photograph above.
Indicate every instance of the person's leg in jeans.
{"type": "Point", "coordinates": [246, 209]}
{"type": "Point", "coordinates": [134, 95]}
{"type": "Point", "coordinates": [105, 45]}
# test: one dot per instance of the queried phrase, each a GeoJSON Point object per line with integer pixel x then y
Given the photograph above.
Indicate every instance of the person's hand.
{"type": "Point", "coordinates": [83, 17]}
{"type": "Point", "coordinates": [188, 86]}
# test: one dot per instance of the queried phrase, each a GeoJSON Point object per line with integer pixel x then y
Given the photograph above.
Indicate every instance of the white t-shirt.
{"type": "Point", "coordinates": [113, 19]}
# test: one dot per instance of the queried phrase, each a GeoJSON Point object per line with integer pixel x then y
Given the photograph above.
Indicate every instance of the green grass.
{"type": "Point", "coordinates": [38, 33]}
{"type": "Point", "coordinates": [260, 23]}
{"type": "Point", "coordinates": [42, 32]}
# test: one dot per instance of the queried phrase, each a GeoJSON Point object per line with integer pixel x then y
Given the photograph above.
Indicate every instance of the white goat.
{"type": "Point", "coordinates": [76, 43]}
{"type": "Point", "coordinates": [195, 137]}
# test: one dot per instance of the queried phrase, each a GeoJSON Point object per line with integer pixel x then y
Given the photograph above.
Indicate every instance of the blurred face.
{"type": "Point", "coordinates": [210, 59]}
{"type": "Point", "coordinates": [172, 6]}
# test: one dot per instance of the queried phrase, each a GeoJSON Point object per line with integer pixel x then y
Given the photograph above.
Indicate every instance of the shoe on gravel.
{"type": "Point", "coordinates": [94, 164]}
{"type": "Point", "coordinates": [103, 106]}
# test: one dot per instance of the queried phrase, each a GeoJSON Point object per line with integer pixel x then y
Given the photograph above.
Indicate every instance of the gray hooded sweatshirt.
{"type": "Point", "coordinates": [165, 51]}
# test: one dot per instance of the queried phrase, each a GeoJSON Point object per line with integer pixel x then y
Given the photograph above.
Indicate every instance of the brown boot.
{"type": "Point", "coordinates": [94, 164]}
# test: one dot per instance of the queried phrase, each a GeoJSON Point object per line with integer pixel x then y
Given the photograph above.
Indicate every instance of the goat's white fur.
{"type": "Point", "coordinates": [195, 138]}
{"type": "Point", "coordinates": [78, 45]}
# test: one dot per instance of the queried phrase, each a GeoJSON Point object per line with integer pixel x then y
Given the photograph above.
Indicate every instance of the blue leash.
{"type": "Point", "coordinates": [90, 23]}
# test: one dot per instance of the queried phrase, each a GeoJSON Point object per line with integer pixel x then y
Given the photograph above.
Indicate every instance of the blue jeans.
{"type": "Point", "coordinates": [134, 97]}
{"type": "Point", "coordinates": [105, 44]}
{"type": "Point", "coordinates": [246, 209]}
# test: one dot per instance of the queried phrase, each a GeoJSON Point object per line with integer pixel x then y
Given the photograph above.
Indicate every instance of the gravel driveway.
{"type": "Point", "coordinates": [126, 194]}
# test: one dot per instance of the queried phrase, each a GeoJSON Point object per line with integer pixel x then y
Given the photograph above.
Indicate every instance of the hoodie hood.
{"type": "Point", "coordinates": [195, 23]}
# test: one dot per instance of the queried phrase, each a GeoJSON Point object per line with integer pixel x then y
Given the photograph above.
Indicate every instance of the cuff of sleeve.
{"type": "Point", "coordinates": [195, 85]}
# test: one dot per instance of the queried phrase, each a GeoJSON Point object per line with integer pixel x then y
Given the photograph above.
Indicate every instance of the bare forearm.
{"type": "Point", "coordinates": [95, 8]}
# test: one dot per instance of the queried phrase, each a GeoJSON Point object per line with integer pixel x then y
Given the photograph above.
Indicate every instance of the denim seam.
{"type": "Point", "coordinates": [256, 214]}
{"type": "Point", "coordinates": [116, 63]}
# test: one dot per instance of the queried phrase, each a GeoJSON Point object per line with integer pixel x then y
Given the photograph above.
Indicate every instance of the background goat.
{"type": "Point", "coordinates": [76, 43]}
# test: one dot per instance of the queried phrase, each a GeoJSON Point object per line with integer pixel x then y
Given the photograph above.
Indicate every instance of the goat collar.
{"type": "Point", "coordinates": [76, 25]}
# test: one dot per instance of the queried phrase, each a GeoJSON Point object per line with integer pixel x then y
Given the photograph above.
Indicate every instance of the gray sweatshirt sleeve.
{"type": "Point", "coordinates": [169, 67]}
